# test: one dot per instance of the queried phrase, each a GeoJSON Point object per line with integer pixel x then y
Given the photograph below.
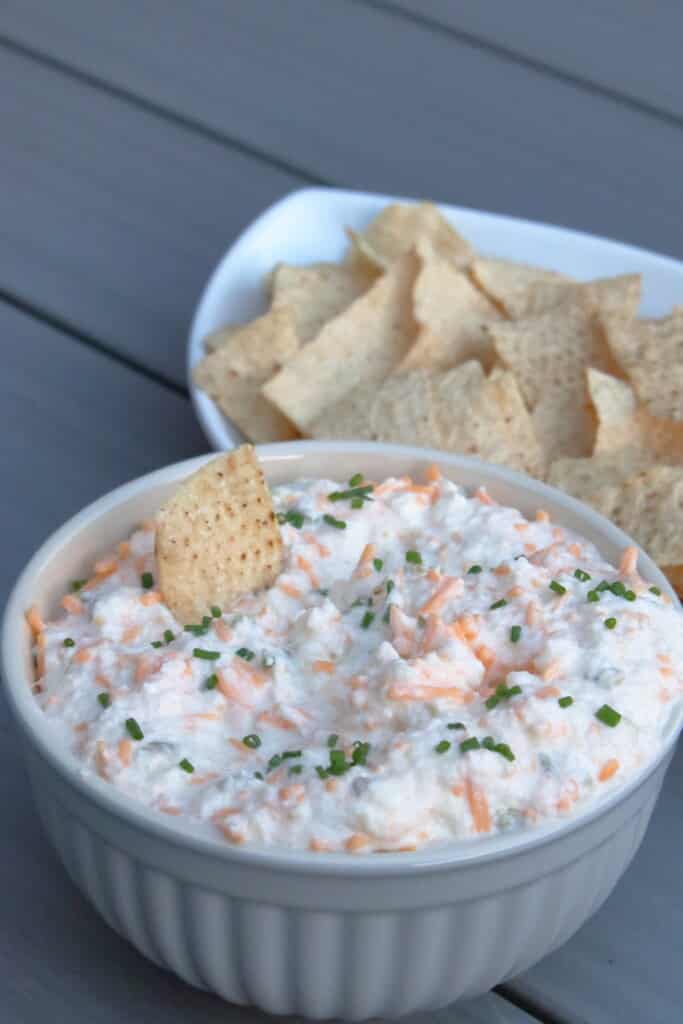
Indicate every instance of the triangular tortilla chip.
{"type": "Point", "coordinates": [622, 423]}
{"type": "Point", "coordinates": [650, 509]}
{"type": "Point", "coordinates": [403, 410]}
{"type": "Point", "coordinates": [522, 291]}
{"type": "Point", "coordinates": [400, 226]}
{"type": "Point", "coordinates": [317, 293]}
{"type": "Point", "coordinates": [650, 352]}
{"type": "Point", "coordinates": [451, 313]}
{"type": "Point", "coordinates": [234, 374]}
{"type": "Point", "coordinates": [508, 284]}
{"type": "Point", "coordinates": [586, 478]}
{"type": "Point", "coordinates": [217, 538]}
{"type": "Point", "coordinates": [222, 336]}
{"type": "Point", "coordinates": [548, 355]}
{"type": "Point", "coordinates": [484, 416]}
{"type": "Point", "coordinates": [361, 346]}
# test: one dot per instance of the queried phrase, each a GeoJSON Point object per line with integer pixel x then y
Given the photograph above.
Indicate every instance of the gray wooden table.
{"type": "Point", "coordinates": [137, 138]}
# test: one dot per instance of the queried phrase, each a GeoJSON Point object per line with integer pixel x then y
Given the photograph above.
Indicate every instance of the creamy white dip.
{"type": "Point", "coordinates": [428, 667]}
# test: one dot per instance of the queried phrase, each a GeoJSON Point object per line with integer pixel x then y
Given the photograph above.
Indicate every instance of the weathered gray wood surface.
{"type": "Point", "coordinates": [137, 140]}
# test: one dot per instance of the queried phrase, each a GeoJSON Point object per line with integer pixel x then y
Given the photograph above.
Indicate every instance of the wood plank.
{"type": "Point", "coordinates": [442, 118]}
{"type": "Point", "coordinates": [77, 424]}
{"type": "Point", "coordinates": [624, 964]}
{"type": "Point", "coordinates": [111, 218]}
{"type": "Point", "coordinates": [622, 46]}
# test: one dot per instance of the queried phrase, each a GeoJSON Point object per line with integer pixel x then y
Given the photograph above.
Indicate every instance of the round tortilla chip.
{"type": "Point", "coordinates": [217, 538]}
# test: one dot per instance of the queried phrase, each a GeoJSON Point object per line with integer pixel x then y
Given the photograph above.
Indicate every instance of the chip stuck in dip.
{"type": "Point", "coordinates": [416, 665]}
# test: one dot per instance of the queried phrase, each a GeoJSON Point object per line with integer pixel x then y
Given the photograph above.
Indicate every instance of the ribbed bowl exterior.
{"type": "Point", "coordinates": [328, 949]}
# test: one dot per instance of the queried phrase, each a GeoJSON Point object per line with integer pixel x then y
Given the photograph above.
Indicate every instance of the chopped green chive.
{"type": "Point", "coordinates": [581, 575]}
{"type": "Point", "coordinates": [356, 502]}
{"type": "Point", "coordinates": [338, 764]}
{"type": "Point", "coordinates": [497, 604]}
{"type": "Point", "coordinates": [104, 699]}
{"type": "Point", "coordinates": [169, 637]}
{"type": "Point", "coordinates": [332, 740]}
{"type": "Point", "coordinates": [557, 587]}
{"type": "Point", "coordinates": [503, 692]}
{"type": "Point", "coordinates": [157, 643]}
{"type": "Point", "coordinates": [473, 570]}
{"type": "Point", "coordinates": [147, 580]}
{"type": "Point", "coordinates": [267, 660]}
{"type": "Point", "coordinates": [414, 557]}
{"type": "Point", "coordinates": [134, 729]}
{"type": "Point", "coordinates": [442, 747]}
{"type": "Point", "coordinates": [212, 682]}
{"type": "Point", "coordinates": [387, 613]}
{"type": "Point", "coordinates": [338, 524]}
{"type": "Point", "coordinates": [470, 744]}
{"type": "Point", "coordinates": [356, 480]}
{"type": "Point", "coordinates": [68, 642]}
{"type": "Point", "coordinates": [245, 654]}
{"type": "Point", "coordinates": [608, 716]}
{"type": "Point", "coordinates": [504, 750]}
{"type": "Point", "coordinates": [455, 725]}
{"type": "Point", "coordinates": [515, 634]}
{"type": "Point", "coordinates": [186, 766]}
{"type": "Point", "coordinates": [275, 762]}
{"type": "Point", "coordinates": [565, 702]}
{"type": "Point", "coordinates": [215, 611]}
{"type": "Point", "coordinates": [196, 630]}
{"type": "Point", "coordinates": [592, 595]}
{"type": "Point", "coordinates": [610, 623]}
{"type": "Point", "coordinates": [290, 753]}
{"type": "Point", "coordinates": [320, 771]}
{"type": "Point", "coordinates": [630, 595]}
{"type": "Point", "coordinates": [488, 743]}
{"type": "Point", "coordinates": [292, 517]}
{"type": "Point", "coordinates": [618, 588]}
{"type": "Point", "coordinates": [76, 585]}
{"type": "Point", "coordinates": [360, 752]}
{"type": "Point", "coordinates": [354, 492]}
{"type": "Point", "coordinates": [390, 586]}
{"type": "Point", "coordinates": [603, 585]}
{"type": "Point", "coordinates": [199, 652]}
{"type": "Point", "coordinates": [296, 769]}
{"type": "Point", "coordinates": [378, 564]}
{"type": "Point", "coordinates": [656, 591]}
{"type": "Point", "coordinates": [259, 776]}
{"type": "Point", "coordinates": [252, 741]}
{"type": "Point", "coordinates": [367, 620]}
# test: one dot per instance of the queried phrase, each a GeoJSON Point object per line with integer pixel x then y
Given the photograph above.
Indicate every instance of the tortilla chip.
{"type": "Point", "coordinates": [451, 313]}
{"type": "Point", "coordinates": [622, 423]}
{"type": "Point", "coordinates": [650, 509]}
{"type": "Point", "coordinates": [221, 337]}
{"type": "Point", "coordinates": [548, 355]}
{"type": "Point", "coordinates": [317, 293]}
{"type": "Point", "coordinates": [217, 538]}
{"type": "Point", "coordinates": [400, 226]}
{"type": "Point", "coordinates": [403, 410]}
{"type": "Point", "coordinates": [650, 352]}
{"type": "Point", "coordinates": [508, 284]}
{"type": "Point", "coordinates": [485, 416]}
{"type": "Point", "coordinates": [585, 478]}
{"type": "Point", "coordinates": [522, 291]}
{"type": "Point", "coordinates": [674, 574]}
{"type": "Point", "coordinates": [359, 347]}
{"type": "Point", "coordinates": [234, 374]}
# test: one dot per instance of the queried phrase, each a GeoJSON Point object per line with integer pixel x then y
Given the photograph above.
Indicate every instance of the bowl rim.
{"type": "Point", "coordinates": [39, 733]}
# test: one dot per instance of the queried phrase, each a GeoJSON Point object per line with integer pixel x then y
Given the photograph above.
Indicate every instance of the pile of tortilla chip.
{"type": "Point", "coordinates": [416, 339]}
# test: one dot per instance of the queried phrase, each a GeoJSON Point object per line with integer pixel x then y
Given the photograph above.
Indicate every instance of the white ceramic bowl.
{"type": "Point", "coordinates": [308, 225]}
{"type": "Point", "coordinates": [321, 935]}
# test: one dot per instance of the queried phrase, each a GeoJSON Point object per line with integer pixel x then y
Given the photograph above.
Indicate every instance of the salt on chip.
{"type": "Point", "coordinates": [548, 355]}
{"type": "Point", "coordinates": [360, 347]}
{"type": "Point", "coordinates": [234, 374]}
{"type": "Point", "coordinates": [217, 537]}
{"type": "Point", "coordinates": [650, 352]}
{"type": "Point", "coordinates": [316, 293]}
{"type": "Point", "coordinates": [622, 423]}
{"type": "Point", "coordinates": [452, 314]}
{"type": "Point", "coordinates": [400, 226]}
{"type": "Point", "coordinates": [485, 416]}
